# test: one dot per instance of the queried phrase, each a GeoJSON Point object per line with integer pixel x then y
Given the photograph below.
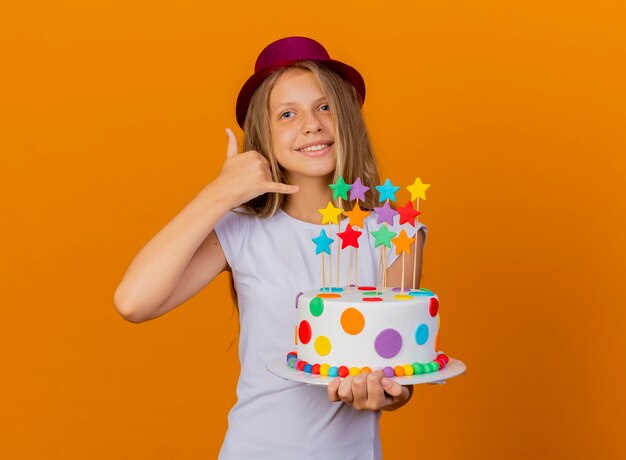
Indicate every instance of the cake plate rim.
{"type": "Point", "coordinates": [278, 366]}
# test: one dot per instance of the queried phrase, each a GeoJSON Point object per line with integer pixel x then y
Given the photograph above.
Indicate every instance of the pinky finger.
{"type": "Point", "coordinates": [277, 187]}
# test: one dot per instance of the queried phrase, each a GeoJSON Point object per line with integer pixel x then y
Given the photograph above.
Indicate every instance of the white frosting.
{"type": "Point", "coordinates": [404, 316]}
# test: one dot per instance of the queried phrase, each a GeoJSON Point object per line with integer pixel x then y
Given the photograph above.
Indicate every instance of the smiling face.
{"type": "Point", "coordinates": [303, 135]}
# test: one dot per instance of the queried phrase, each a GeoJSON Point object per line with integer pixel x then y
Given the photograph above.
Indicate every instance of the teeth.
{"type": "Point", "coordinates": [314, 148]}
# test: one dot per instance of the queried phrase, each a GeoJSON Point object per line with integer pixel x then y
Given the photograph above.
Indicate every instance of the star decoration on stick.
{"type": "Point", "coordinates": [383, 236]}
{"type": "Point", "coordinates": [349, 237]}
{"type": "Point", "coordinates": [357, 215]}
{"type": "Point", "coordinates": [403, 243]}
{"type": "Point", "coordinates": [322, 243]}
{"type": "Point", "coordinates": [330, 214]}
{"type": "Point", "coordinates": [340, 189]}
{"type": "Point", "coordinates": [418, 189]}
{"type": "Point", "coordinates": [385, 213]}
{"type": "Point", "coordinates": [408, 213]}
{"type": "Point", "coordinates": [357, 191]}
{"type": "Point", "coordinates": [387, 191]}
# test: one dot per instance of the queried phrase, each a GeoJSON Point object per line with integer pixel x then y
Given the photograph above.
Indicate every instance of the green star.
{"type": "Point", "coordinates": [383, 236]}
{"type": "Point", "coordinates": [340, 189]}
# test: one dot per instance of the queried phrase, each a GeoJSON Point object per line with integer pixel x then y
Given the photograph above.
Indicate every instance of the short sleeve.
{"type": "Point", "coordinates": [410, 231]}
{"type": "Point", "coordinates": [232, 232]}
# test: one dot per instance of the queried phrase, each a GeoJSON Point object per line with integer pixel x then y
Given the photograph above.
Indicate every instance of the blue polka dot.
{"type": "Point", "coordinates": [333, 371]}
{"type": "Point", "coordinates": [307, 368]}
{"type": "Point", "coordinates": [421, 334]}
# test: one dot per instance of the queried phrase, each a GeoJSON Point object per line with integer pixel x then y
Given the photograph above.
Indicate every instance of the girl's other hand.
{"type": "Point", "coordinates": [369, 392]}
{"type": "Point", "coordinates": [245, 176]}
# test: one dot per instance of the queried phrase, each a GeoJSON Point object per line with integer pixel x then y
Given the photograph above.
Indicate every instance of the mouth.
{"type": "Point", "coordinates": [315, 150]}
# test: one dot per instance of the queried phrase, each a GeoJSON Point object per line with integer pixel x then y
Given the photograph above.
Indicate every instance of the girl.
{"type": "Point", "coordinates": [303, 128]}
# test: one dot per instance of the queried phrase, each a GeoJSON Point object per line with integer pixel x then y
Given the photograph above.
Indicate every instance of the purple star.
{"type": "Point", "coordinates": [385, 213]}
{"type": "Point", "coordinates": [358, 190]}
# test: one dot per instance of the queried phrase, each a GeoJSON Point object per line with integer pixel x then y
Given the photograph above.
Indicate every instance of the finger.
{"type": "Point", "coordinates": [359, 390]}
{"type": "Point", "coordinates": [277, 187]}
{"type": "Point", "coordinates": [345, 390]}
{"type": "Point", "coordinates": [392, 388]}
{"type": "Point", "coordinates": [375, 391]}
{"type": "Point", "coordinates": [333, 386]}
{"type": "Point", "coordinates": [232, 149]}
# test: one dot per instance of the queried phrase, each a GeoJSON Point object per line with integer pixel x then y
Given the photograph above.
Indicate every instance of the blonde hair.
{"type": "Point", "coordinates": [355, 155]}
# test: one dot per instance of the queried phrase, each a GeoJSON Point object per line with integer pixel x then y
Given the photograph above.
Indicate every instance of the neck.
{"type": "Point", "coordinates": [314, 194]}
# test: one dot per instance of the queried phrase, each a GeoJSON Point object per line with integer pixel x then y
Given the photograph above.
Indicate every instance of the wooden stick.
{"type": "Point", "coordinates": [338, 258]}
{"type": "Point", "coordinates": [323, 275]}
{"type": "Point", "coordinates": [402, 283]}
{"type": "Point", "coordinates": [417, 205]}
{"type": "Point", "coordinates": [330, 261]}
{"type": "Point", "coordinates": [349, 258]}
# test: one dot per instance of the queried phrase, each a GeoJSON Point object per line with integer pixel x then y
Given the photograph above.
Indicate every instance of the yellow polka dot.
{"type": "Point", "coordinates": [355, 371]}
{"type": "Point", "coordinates": [402, 297]}
{"type": "Point", "coordinates": [324, 369]}
{"type": "Point", "coordinates": [352, 321]}
{"type": "Point", "coordinates": [408, 369]}
{"type": "Point", "coordinates": [322, 345]}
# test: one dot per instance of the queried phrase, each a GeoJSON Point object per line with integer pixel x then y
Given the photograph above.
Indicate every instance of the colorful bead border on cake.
{"type": "Point", "coordinates": [400, 370]}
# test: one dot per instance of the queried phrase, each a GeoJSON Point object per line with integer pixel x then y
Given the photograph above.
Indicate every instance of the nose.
{"type": "Point", "coordinates": [311, 124]}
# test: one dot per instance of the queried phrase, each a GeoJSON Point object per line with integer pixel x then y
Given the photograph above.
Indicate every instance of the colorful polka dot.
{"type": "Point", "coordinates": [324, 369]}
{"type": "Point", "coordinates": [373, 293]}
{"type": "Point", "coordinates": [298, 298]}
{"type": "Point", "coordinates": [388, 371]}
{"type": "Point", "coordinates": [433, 307]}
{"type": "Point", "coordinates": [304, 332]}
{"type": "Point", "coordinates": [388, 343]}
{"type": "Point", "coordinates": [421, 334]}
{"type": "Point", "coordinates": [408, 369]}
{"type": "Point", "coordinates": [352, 321]}
{"type": "Point", "coordinates": [331, 289]}
{"type": "Point", "coordinates": [322, 345]}
{"type": "Point", "coordinates": [421, 292]}
{"type": "Point", "coordinates": [328, 296]}
{"type": "Point", "coordinates": [354, 371]}
{"type": "Point", "coordinates": [333, 371]}
{"type": "Point", "coordinates": [402, 297]}
{"type": "Point", "coordinates": [316, 306]}
{"type": "Point", "coordinates": [372, 299]}
{"type": "Point", "coordinates": [366, 288]}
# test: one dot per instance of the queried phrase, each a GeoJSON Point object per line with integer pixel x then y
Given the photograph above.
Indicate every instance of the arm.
{"type": "Point", "coordinates": [186, 255]}
{"type": "Point", "coordinates": [374, 391]}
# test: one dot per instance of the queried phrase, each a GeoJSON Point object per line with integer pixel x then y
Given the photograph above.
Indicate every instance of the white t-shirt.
{"type": "Point", "coordinates": [272, 260]}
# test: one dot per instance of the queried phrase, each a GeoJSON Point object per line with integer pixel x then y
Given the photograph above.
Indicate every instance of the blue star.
{"type": "Point", "coordinates": [387, 191]}
{"type": "Point", "coordinates": [322, 243]}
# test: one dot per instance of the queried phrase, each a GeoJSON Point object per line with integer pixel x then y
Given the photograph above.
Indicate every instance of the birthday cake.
{"type": "Point", "coordinates": [344, 331]}
{"type": "Point", "coordinates": [354, 330]}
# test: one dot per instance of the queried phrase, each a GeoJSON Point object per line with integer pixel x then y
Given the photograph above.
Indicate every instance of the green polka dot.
{"type": "Point", "coordinates": [316, 306]}
{"type": "Point", "coordinates": [418, 368]}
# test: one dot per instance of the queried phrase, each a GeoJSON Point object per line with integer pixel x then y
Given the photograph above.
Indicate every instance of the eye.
{"type": "Point", "coordinates": [325, 107]}
{"type": "Point", "coordinates": [286, 115]}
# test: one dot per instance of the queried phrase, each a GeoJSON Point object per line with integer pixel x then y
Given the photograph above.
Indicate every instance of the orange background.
{"type": "Point", "coordinates": [113, 118]}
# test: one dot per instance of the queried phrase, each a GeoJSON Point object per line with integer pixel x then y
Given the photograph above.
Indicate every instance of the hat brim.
{"type": "Point", "coordinates": [348, 73]}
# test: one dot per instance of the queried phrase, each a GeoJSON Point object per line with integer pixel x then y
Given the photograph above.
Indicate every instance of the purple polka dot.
{"type": "Point", "coordinates": [388, 371]}
{"type": "Point", "coordinates": [388, 343]}
{"type": "Point", "coordinates": [400, 290]}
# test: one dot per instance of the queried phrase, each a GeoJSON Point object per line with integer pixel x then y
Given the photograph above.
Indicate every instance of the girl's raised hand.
{"type": "Point", "coordinates": [246, 175]}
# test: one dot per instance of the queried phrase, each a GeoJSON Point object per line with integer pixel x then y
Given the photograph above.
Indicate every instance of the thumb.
{"type": "Point", "coordinates": [232, 149]}
{"type": "Point", "coordinates": [392, 388]}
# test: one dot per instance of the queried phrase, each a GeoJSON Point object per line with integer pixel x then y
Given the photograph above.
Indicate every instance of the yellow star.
{"type": "Point", "coordinates": [403, 243]}
{"type": "Point", "coordinates": [330, 214]}
{"type": "Point", "coordinates": [357, 215]}
{"type": "Point", "coordinates": [418, 189]}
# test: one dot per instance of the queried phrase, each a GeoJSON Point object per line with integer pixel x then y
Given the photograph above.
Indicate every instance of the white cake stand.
{"type": "Point", "coordinates": [278, 366]}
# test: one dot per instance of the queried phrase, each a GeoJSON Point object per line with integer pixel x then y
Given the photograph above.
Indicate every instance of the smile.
{"type": "Point", "coordinates": [315, 150]}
